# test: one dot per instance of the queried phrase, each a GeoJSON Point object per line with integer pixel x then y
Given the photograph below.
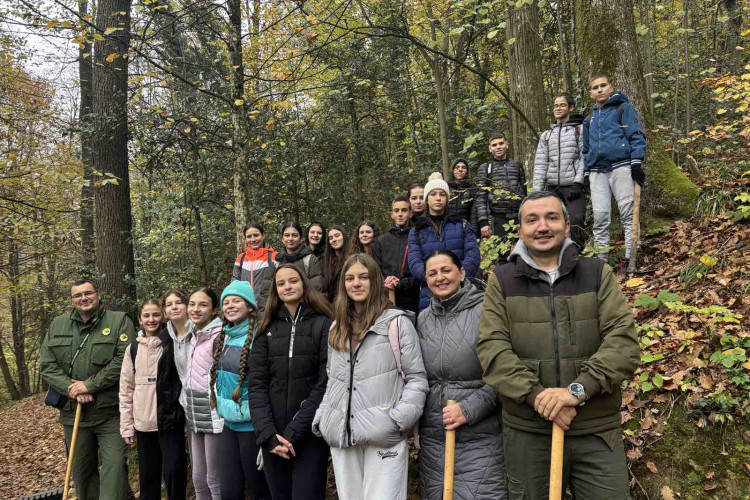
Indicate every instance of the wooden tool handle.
{"type": "Point", "coordinates": [392, 296]}
{"type": "Point", "coordinates": [556, 463]}
{"type": "Point", "coordinates": [450, 455]}
{"type": "Point", "coordinates": [636, 228]}
{"type": "Point", "coordinates": [72, 451]}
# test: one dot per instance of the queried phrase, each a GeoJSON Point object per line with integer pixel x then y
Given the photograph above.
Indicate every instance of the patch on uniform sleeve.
{"type": "Point", "coordinates": [124, 337]}
{"type": "Point", "coordinates": [106, 331]}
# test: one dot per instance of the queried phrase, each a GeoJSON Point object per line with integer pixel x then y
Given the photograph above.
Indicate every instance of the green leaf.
{"type": "Point", "coordinates": [644, 300]}
{"type": "Point", "coordinates": [492, 34]}
{"type": "Point", "coordinates": [658, 380]}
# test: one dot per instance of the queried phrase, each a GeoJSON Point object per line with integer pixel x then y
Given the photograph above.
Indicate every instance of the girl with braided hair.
{"type": "Point", "coordinates": [239, 454]}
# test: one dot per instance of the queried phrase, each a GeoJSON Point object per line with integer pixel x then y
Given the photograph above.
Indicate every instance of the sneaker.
{"type": "Point", "coordinates": [622, 267]}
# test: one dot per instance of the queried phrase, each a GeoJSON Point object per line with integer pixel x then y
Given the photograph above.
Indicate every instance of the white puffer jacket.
{"type": "Point", "coordinates": [559, 161]}
{"type": "Point", "coordinates": [368, 403]}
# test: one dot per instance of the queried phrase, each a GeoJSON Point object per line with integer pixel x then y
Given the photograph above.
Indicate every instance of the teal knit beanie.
{"type": "Point", "coordinates": [240, 289]}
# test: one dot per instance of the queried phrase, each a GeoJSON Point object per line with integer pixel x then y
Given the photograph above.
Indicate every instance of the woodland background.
{"type": "Point", "coordinates": [186, 118]}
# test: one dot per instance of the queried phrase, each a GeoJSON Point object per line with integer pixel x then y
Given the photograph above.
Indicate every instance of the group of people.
{"type": "Point", "coordinates": [331, 347]}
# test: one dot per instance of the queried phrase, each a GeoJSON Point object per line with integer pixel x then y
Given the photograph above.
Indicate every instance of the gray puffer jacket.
{"type": "Point", "coordinates": [366, 401]}
{"type": "Point", "coordinates": [558, 160]}
{"type": "Point", "coordinates": [448, 332]}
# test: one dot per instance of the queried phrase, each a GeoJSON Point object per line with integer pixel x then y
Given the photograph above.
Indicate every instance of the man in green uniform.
{"type": "Point", "coordinates": [93, 340]}
{"type": "Point", "coordinates": [556, 340]}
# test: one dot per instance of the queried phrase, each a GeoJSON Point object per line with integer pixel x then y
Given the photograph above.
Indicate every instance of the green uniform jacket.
{"type": "Point", "coordinates": [98, 364]}
{"type": "Point", "coordinates": [533, 335]}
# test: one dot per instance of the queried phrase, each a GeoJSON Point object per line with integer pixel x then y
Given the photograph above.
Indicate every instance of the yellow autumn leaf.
{"type": "Point", "coordinates": [634, 282]}
{"type": "Point", "coordinates": [721, 111]}
{"type": "Point", "coordinates": [111, 30]}
{"type": "Point", "coordinates": [239, 102]}
{"type": "Point", "coordinates": [746, 365]}
{"type": "Point", "coordinates": [52, 24]}
{"type": "Point", "coordinates": [708, 260]}
{"type": "Point", "coordinates": [112, 57]}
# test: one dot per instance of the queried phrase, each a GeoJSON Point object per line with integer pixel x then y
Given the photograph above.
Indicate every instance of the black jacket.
{"type": "Point", "coordinates": [170, 415]}
{"type": "Point", "coordinates": [391, 253]}
{"type": "Point", "coordinates": [461, 202]}
{"type": "Point", "coordinates": [285, 391]}
{"type": "Point", "coordinates": [305, 260]}
{"type": "Point", "coordinates": [506, 175]}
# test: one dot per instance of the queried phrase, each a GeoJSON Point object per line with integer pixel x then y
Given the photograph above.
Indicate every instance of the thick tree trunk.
{"type": "Point", "coordinates": [734, 25]}
{"type": "Point", "coordinates": [85, 77]}
{"type": "Point", "coordinates": [436, 64]}
{"type": "Point", "coordinates": [114, 250]}
{"type": "Point", "coordinates": [646, 49]}
{"type": "Point", "coordinates": [15, 394]}
{"type": "Point", "coordinates": [563, 52]}
{"type": "Point", "coordinates": [359, 173]}
{"type": "Point", "coordinates": [239, 120]}
{"type": "Point", "coordinates": [526, 81]}
{"type": "Point", "coordinates": [608, 43]}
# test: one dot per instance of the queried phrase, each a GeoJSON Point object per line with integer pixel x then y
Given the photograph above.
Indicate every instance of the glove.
{"type": "Point", "coordinates": [636, 172]}
{"type": "Point", "coordinates": [576, 190]}
{"type": "Point", "coordinates": [587, 183]}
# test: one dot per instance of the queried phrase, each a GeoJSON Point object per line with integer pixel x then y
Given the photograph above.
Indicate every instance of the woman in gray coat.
{"type": "Point", "coordinates": [448, 331]}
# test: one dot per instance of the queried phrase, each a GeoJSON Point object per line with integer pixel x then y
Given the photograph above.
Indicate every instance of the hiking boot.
{"type": "Point", "coordinates": [622, 267]}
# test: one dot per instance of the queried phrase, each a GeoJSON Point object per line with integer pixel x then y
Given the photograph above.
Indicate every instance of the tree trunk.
{"type": "Point", "coordinates": [17, 321]}
{"type": "Point", "coordinates": [114, 250]}
{"type": "Point", "coordinates": [686, 8]}
{"type": "Point", "coordinates": [15, 394]}
{"type": "Point", "coordinates": [359, 173]}
{"type": "Point", "coordinates": [733, 35]}
{"type": "Point", "coordinates": [437, 75]}
{"type": "Point", "coordinates": [202, 267]}
{"type": "Point", "coordinates": [85, 77]}
{"type": "Point", "coordinates": [563, 53]}
{"type": "Point", "coordinates": [239, 121]}
{"type": "Point", "coordinates": [526, 80]}
{"type": "Point", "coordinates": [608, 43]}
{"type": "Point", "coordinates": [646, 46]}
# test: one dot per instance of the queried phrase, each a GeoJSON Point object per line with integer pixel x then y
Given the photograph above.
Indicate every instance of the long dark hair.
{"type": "Point", "coordinates": [293, 225]}
{"type": "Point", "coordinates": [357, 246]}
{"type": "Point", "coordinates": [310, 296]}
{"type": "Point", "coordinates": [254, 225]}
{"type": "Point", "coordinates": [332, 263]}
{"type": "Point", "coordinates": [343, 308]}
{"type": "Point", "coordinates": [323, 241]}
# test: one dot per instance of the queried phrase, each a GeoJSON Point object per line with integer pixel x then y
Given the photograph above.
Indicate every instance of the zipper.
{"type": "Point", "coordinates": [559, 154]}
{"type": "Point", "coordinates": [291, 350]}
{"type": "Point", "coordinates": [554, 331]}
{"type": "Point", "coordinates": [352, 360]}
{"type": "Point", "coordinates": [190, 376]}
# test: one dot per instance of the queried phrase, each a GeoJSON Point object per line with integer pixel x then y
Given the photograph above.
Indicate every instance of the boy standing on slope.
{"type": "Point", "coordinates": [613, 148]}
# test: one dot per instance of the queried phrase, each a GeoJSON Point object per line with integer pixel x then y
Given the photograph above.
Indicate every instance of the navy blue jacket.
{"type": "Point", "coordinates": [611, 140]}
{"type": "Point", "coordinates": [455, 235]}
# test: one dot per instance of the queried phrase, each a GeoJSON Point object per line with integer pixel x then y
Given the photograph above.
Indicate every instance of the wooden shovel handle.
{"type": "Point", "coordinates": [72, 451]}
{"type": "Point", "coordinates": [556, 463]}
{"type": "Point", "coordinates": [636, 226]}
{"type": "Point", "coordinates": [392, 296]}
{"type": "Point", "coordinates": [450, 455]}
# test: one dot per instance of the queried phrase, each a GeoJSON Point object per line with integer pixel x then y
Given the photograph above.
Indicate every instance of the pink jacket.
{"type": "Point", "coordinates": [198, 413]}
{"type": "Point", "coordinates": [138, 387]}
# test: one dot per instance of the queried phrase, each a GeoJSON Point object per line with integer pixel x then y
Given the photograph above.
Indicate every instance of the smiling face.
{"type": "Point", "coordinates": [291, 239]}
{"type": "Point", "coordinates": [562, 110]}
{"type": "Point", "coordinates": [315, 235]}
{"type": "Point", "coordinates": [151, 319]}
{"type": "Point", "coordinates": [600, 90]}
{"type": "Point", "coordinates": [235, 309]}
{"type": "Point", "coordinates": [460, 171]}
{"type": "Point", "coordinates": [357, 283]}
{"type": "Point", "coordinates": [436, 201]}
{"type": "Point", "coordinates": [443, 276]}
{"type": "Point", "coordinates": [498, 148]}
{"type": "Point", "coordinates": [254, 238]}
{"type": "Point", "coordinates": [401, 213]}
{"type": "Point", "coordinates": [175, 309]}
{"type": "Point", "coordinates": [200, 309]}
{"type": "Point", "coordinates": [416, 199]}
{"type": "Point", "coordinates": [85, 299]}
{"type": "Point", "coordinates": [289, 285]}
{"type": "Point", "coordinates": [543, 228]}
{"type": "Point", "coordinates": [366, 235]}
{"type": "Point", "coordinates": [335, 239]}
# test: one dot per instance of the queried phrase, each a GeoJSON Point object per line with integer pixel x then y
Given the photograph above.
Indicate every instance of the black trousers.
{"type": "Point", "coordinates": [162, 453]}
{"type": "Point", "coordinates": [577, 212]}
{"type": "Point", "coordinates": [237, 467]}
{"type": "Point", "coordinates": [302, 477]}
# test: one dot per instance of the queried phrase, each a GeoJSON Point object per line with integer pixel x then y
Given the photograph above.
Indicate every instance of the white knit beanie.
{"type": "Point", "coordinates": [436, 182]}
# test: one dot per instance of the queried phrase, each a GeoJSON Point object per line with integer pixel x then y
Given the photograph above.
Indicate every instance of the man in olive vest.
{"type": "Point", "coordinates": [81, 358]}
{"type": "Point", "coordinates": [556, 340]}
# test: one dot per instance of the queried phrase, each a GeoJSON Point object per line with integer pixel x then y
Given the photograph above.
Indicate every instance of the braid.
{"type": "Point", "coordinates": [243, 358]}
{"type": "Point", "coordinates": [218, 348]}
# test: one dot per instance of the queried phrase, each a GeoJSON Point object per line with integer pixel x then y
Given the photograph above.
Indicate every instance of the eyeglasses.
{"type": "Point", "coordinates": [560, 106]}
{"type": "Point", "coordinates": [87, 294]}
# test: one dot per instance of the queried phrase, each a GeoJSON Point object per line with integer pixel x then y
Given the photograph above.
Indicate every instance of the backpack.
{"type": "Point", "coordinates": [393, 338]}
{"type": "Point", "coordinates": [242, 261]}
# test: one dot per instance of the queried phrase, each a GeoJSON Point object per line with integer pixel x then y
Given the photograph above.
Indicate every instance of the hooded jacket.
{"type": "Point", "coordinates": [304, 260]}
{"type": "Point", "coordinates": [558, 160]}
{"type": "Point", "coordinates": [181, 353]}
{"type": "Point", "coordinates": [455, 235]}
{"type": "Point", "coordinates": [493, 177]}
{"type": "Point", "coordinates": [138, 387]}
{"type": "Point", "coordinates": [391, 252]}
{"type": "Point", "coordinates": [535, 334]}
{"type": "Point", "coordinates": [448, 332]}
{"type": "Point", "coordinates": [287, 377]}
{"type": "Point", "coordinates": [611, 140]}
{"type": "Point", "coordinates": [462, 202]}
{"type": "Point", "coordinates": [236, 415]}
{"type": "Point", "coordinates": [366, 401]}
{"type": "Point", "coordinates": [257, 267]}
{"type": "Point", "coordinates": [200, 417]}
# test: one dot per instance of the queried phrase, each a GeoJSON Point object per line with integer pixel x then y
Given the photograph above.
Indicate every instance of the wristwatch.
{"type": "Point", "coordinates": [576, 390]}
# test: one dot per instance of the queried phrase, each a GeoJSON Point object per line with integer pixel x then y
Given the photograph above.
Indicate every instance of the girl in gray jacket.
{"type": "Point", "coordinates": [369, 406]}
{"type": "Point", "coordinates": [448, 331]}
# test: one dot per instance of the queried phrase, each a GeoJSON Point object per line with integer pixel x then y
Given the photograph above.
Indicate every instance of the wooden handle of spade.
{"type": "Point", "coordinates": [556, 462]}
{"type": "Point", "coordinates": [72, 451]}
{"type": "Point", "coordinates": [450, 455]}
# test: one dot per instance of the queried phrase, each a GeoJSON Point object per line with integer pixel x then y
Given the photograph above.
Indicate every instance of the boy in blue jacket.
{"type": "Point", "coordinates": [613, 147]}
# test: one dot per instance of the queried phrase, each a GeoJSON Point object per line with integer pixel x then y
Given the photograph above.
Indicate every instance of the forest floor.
{"type": "Point", "coordinates": [684, 414]}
